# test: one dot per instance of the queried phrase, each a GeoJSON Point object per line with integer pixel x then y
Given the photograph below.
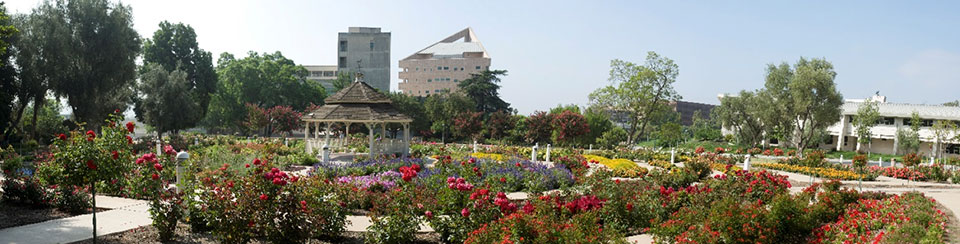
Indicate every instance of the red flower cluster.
{"type": "Point", "coordinates": [506, 207]}
{"type": "Point", "coordinates": [459, 184]}
{"type": "Point", "coordinates": [699, 150]}
{"type": "Point", "coordinates": [114, 155]}
{"type": "Point", "coordinates": [718, 150]}
{"type": "Point", "coordinates": [169, 150]}
{"type": "Point", "coordinates": [581, 204]}
{"type": "Point", "coordinates": [407, 173]}
{"type": "Point", "coordinates": [278, 177]}
{"type": "Point", "coordinates": [777, 152]}
{"type": "Point", "coordinates": [91, 165]}
{"type": "Point", "coordinates": [130, 126]}
{"type": "Point", "coordinates": [147, 158]}
{"type": "Point", "coordinates": [62, 137]}
{"type": "Point", "coordinates": [91, 135]}
{"type": "Point", "coordinates": [129, 140]}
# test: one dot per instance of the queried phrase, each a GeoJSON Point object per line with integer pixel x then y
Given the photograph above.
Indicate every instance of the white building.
{"type": "Point", "coordinates": [325, 74]}
{"type": "Point", "coordinates": [893, 116]}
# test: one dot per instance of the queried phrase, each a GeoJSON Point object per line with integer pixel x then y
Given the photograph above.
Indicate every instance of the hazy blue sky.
{"type": "Point", "coordinates": [557, 52]}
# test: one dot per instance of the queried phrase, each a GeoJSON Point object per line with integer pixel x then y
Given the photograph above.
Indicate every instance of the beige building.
{"type": "Point", "coordinates": [440, 67]}
{"type": "Point", "coordinates": [325, 74]}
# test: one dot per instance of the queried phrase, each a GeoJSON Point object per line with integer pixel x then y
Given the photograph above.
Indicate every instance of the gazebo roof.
{"type": "Point", "coordinates": [358, 103]}
{"type": "Point", "coordinates": [357, 92]}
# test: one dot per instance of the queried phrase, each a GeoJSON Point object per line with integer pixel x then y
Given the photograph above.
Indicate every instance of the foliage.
{"type": "Point", "coordinates": [26, 191]}
{"type": "Point", "coordinates": [8, 81]}
{"type": "Point", "coordinates": [498, 124]}
{"type": "Point", "coordinates": [640, 91]}
{"type": "Point", "coordinates": [539, 127]}
{"type": "Point", "coordinates": [705, 127]}
{"type": "Point", "coordinates": [167, 101]}
{"type": "Point", "coordinates": [265, 80]}
{"type": "Point", "coordinates": [867, 116]}
{"type": "Point", "coordinates": [256, 118]}
{"type": "Point", "coordinates": [670, 134]}
{"type": "Point", "coordinates": [283, 119]}
{"type": "Point", "coordinates": [442, 108]}
{"type": "Point", "coordinates": [742, 113]}
{"type": "Point", "coordinates": [897, 219]}
{"type": "Point", "coordinates": [483, 89]}
{"type": "Point", "coordinates": [568, 127]}
{"type": "Point", "coordinates": [48, 120]}
{"type": "Point", "coordinates": [468, 125]}
{"type": "Point", "coordinates": [908, 141]}
{"type": "Point", "coordinates": [175, 48]}
{"type": "Point", "coordinates": [806, 96]}
{"type": "Point", "coordinates": [612, 138]}
{"type": "Point", "coordinates": [94, 68]}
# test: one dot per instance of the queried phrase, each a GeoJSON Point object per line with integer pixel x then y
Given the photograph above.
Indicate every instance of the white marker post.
{"type": "Point", "coordinates": [881, 162]}
{"type": "Point", "coordinates": [533, 153]}
{"type": "Point", "coordinates": [673, 154]}
{"type": "Point", "coordinates": [548, 153]}
{"type": "Point", "coordinates": [326, 154]}
{"type": "Point", "coordinates": [474, 146]}
{"type": "Point", "coordinates": [746, 163]}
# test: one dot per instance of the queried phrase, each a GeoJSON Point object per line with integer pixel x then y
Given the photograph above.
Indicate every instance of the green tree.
{"type": "Point", "coordinates": [165, 101]}
{"type": "Point", "coordinates": [499, 124]}
{"type": "Point", "coordinates": [266, 80]}
{"type": "Point", "coordinates": [599, 123]}
{"type": "Point", "coordinates": [943, 132]}
{"type": "Point", "coordinates": [806, 95]}
{"type": "Point", "coordinates": [670, 134]}
{"type": "Point", "coordinates": [638, 91]}
{"type": "Point", "coordinates": [442, 108]}
{"type": "Point", "coordinates": [539, 127]}
{"type": "Point", "coordinates": [955, 103]}
{"type": "Point", "coordinates": [613, 137]}
{"type": "Point", "coordinates": [8, 85]}
{"type": "Point", "coordinates": [48, 120]}
{"type": "Point", "coordinates": [867, 116]}
{"type": "Point", "coordinates": [705, 128]}
{"type": "Point", "coordinates": [908, 140]}
{"type": "Point", "coordinates": [413, 107]}
{"type": "Point", "coordinates": [343, 80]}
{"type": "Point", "coordinates": [741, 114]}
{"type": "Point", "coordinates": [90, 55]}
{"type": "Point", "coordinates": [174, 47]}
{"type": "Point", "coordinates": [484, 90]}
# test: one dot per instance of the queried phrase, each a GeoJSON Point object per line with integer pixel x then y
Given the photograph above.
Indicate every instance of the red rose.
{"type": "Point", "coordinates": [247, 165]}
{"type": "Point", "coordinates": [129, 140]}
{"type": "Point", "coordinates": [139, 161]}
{"type": "Point", "coordinates": [503, 180]}
{"type": "Point", "coordinates": [518, 165]}
{"type": "Point", "coordinates": [115, 155]}
{"type": "Point", "coordinates": [465, 212]}
{"type": "Point", "coordinates": [256, 161]}
{"type": "Point", "coordinates": [629, 206]}
{"type": "Point", "coordinates": [155, 176]}
{"type": "Point", "coordinates": [62, 137]}
{"type": "Point", "coordinates": [428, 214]}
{"type": "Point", "coordinates": [91, 165]}
{"type": "Point", "coordinates": [130, 126]}
{"type": "Point", "coordinates": [158, 166]}
{"type": "Point", "coordinates": [263, 197]}
{"type": "Point", "coordinates": [91, 135]}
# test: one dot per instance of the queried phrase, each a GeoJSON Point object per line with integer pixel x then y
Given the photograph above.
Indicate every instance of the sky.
{"type": "Point", "coordinates": [557, 52]}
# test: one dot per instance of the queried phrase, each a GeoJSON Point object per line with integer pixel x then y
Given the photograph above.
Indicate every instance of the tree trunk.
{"type": "Point", "coordinates": [37, 105]}
{"type": "Point", "coordinates": [93, 194]}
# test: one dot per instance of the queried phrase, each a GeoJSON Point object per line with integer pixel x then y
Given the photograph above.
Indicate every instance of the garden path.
{"type": "Point", "coordinates": [124, 214]}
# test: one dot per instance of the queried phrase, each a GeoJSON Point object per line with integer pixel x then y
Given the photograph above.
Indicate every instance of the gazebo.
{"type": "Point", "coordinates": [357, 103]}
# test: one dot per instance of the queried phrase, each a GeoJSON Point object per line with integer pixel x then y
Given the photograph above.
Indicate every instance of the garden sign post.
{"type": "Point", "coordinates": [548, 153]}
{"type": "Point", "coordinates": [474, 146]}
{"type": "Point", "coordinates": [533, 153]}
{"type": "Point", "coordinates": [326, 154]}
{"type": "Point", "coordinates": [673, 152]}
{"type": "Point", "coordinates": [746, 163]}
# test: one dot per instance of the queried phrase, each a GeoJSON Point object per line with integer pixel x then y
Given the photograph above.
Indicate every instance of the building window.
{"type": "Point", "coordinates": [455, 80]}
{"type": "Point", "coordinates": [478, 67]}
{"type": "Point", "coordinates": [952, 148]}
{"type": "Point", "coordinates": [428, 92]}
{"type": "Point", "coordinates": [343, 46]}
{"type": "Point", "coordinates": [418, 68]}
{"type": "Point", "coordinates": [439, 68]}
{"type": "Point", "coordinates": [371, 46]}
{"type": "Point", "coordinates": [343, 61]}
{"type": "Point", "coordinates": [437, 90]}
{"type": "Point", "coordinates": [926, 123]}
{"type": "Point", "coordinates": [885, 121]}
{"type": "Point", "coordinates": [328, 73]}
{"type": "Point", "coordinates": [828, 140]}
{"type": "Point", "coordinates": [429, 80]}
{"type": "Point", "coordinates": [446, 68]}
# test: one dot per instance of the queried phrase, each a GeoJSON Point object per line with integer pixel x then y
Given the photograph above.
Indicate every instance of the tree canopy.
{"type": "Point", "coordinates": [867, 116]}
{"type": "Point", "coordinates": [638, 91]}
{"type": "Point", "coordinates": [164, 104]}
{"type": "Point", "coordinates": [8, 86]}
{"type": "Point", "coordinates": [484, 90]}
{"type": "Point", "coordinates": [806, 95]}
{"type": "Point", "coordinates": [174, 47]}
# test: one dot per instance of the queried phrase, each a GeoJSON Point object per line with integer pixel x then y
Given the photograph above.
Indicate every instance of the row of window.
{"type": "Point", "coordinates": [906, 121]}
{"type": "Point", "coordinates": [442, 79]}
{"type": "Point", "coordinates": [343, 46]}
{"type": "Point", "coordinates": [427, 91]}
{"type": "Point", "coordinates": [448, 68]}
{"type": "Point", "coordinates": [323, 73]}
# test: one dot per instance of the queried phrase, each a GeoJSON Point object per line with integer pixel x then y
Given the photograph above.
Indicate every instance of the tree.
{"type": "Point", "coordinates": [943, 132]}
{"type": "Point", "coordinates": [8, 86]}
{"type": "Point", "coordinates": [638, 91]}
{"type": "Point", "coordinates": [343, 80]}
{"type": "Point", "coordinates": [955, 103]}
{"type": "Point", "coordinates": [909, 140]}
{"type": "Point", "coordinates": [599, 123]}
{"type": "Point", "coordinates": [266, 81]}
{"type": "Point", "coordinates": [670, 134]}
{"type": "Point", "coordinates": [413, 107]}
{"type": "Point", "coordinates": [742, 115]}
{"type": "Point", "coordinates": [705, 128]}
{"type": "Point", "coordinates": [174, 47]}
{"type": "Point", "coordinates": [441, 109]}
{"type": "Point", "coordinates": [256, 118]}
{"type": "Point", "coordinates": [568, 127]}
{"type": "Point", "coordinates": [468, 125]}
{"type": "Point", "coordinates": [613, 137]}
{"type": "Point", "coordinates": [88, 55]}
{"type": "Point", "coordinates": [499, 123]}
{"type": "Point", "coordinates": [283, 119]}
{"type": "Point", "coordinates": [165, 101]}
{"type": "Point", "coordinates": [867, 116]}
{"type": "Point", "coordinates": [483, 89]}
{"type": "Point", "coordinates": [539, 127]}
{"type": "Point", "coordinates": [805, 95]}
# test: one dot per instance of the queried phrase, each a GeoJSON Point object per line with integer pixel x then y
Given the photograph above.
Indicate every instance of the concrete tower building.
{"type": "Point", "coordinates": [368, 49]}
{"type": "Point", "coordinates": [440, 67]}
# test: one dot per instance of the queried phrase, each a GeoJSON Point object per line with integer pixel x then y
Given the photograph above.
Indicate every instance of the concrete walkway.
{"type": "Point", "coordinates": [124, 214]}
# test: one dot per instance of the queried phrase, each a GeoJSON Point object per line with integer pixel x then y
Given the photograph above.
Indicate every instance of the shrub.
{"type": "Point", "coordinates": [26, 191]}
{"type": "Point", "coordinates": [72, 199]}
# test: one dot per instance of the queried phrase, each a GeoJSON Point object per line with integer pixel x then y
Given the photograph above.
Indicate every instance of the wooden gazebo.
{"type": "Point", "coordinates": [357, 103]}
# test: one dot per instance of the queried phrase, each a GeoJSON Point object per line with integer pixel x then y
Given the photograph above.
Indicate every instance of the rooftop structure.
{"type": "Point", "coordinates": [440, 67]}
{"type": "Point", "coordinates": [366, 50]}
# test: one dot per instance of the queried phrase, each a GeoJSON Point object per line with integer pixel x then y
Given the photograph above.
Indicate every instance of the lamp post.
{"type": "Point", "coordinates": [181, 157]}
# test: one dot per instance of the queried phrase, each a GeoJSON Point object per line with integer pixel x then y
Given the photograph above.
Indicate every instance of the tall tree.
{"type": "Point", "coordinates": [343, 80]}
{"type": "Point", "coordinates": [442, 108]}
{"type": "Point", "coordinates": [265, 81]}
{"type": "Point", "coordinates": [539, 127]}
{"type": "Point", "coordinates": [174, 47]}
{"type": "Point", "coordinates": [741, 114]}
{"type": "Point", "coordinates": [943, 132]}
{"type": "Point", "coordinates": [484, 90]}
{"type": "Point", "coordinates": [413, 107]}
{"type": "Point", "coordinates": [639, 91]}
{"type": "Point", "coordinates": [91, 55]}
{"type": "Point", "coordinates": [908, 141]}
{"type": "Point", "coordinates": [164, 104]}
{"type": "Point", "coordinates": [499, 123]}
{"type": "Point", "coordinates": [807, 95]}
{"type": "Point", "coordinates": [8, 86]}
{"type": "Point", "coordinates": [867, 116]}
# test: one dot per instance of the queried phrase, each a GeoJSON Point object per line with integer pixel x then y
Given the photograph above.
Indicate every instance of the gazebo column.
{"type": "Point", "coordinates": [406, 139]}
{"type": "Point", "coordinates": [370, 128]}
{"type": "Point", "coordinates": [306, 136]}
{"type": "Point", "coordinates": [346, 137]}
{"type": "Point", "coordinates": [326, 137]}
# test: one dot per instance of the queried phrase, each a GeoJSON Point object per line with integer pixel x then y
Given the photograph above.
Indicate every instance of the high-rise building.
{"type": "Point", "coordinates": [440, 67]}
{"type": "Point", "coordinates": [368, 49]}
{"type": "Point", "coordinates": [325, 74]}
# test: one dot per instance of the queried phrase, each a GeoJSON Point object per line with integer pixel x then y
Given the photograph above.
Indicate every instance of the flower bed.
{"type": "Point", "coordinates": [661, 163]}
{"type": "Point", "coordinates": [828, 173]}
{"type": "Point", "coordinates": [492, 156]}
{"type": "Point", "coordinates": [910, 218]}
{"type": "Point", "coordinates": [620, 167]}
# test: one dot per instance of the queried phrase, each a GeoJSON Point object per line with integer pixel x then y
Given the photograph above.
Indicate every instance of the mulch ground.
{"type": "Point", "coordinates": [16, 215]}
{"type": "Point", "coordinates": [148, 234]}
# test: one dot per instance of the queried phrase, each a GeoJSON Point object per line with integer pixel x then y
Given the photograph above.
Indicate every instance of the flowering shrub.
{"type": "Point", "coordinates": [911, 159]}
{"type": "Point", "coordinates": [777, 152]}
{"type": "Point", "coordinates": [661, 164]}
{"type": "Point", "coordinates": [25, 190]}
{"type": "Point", "coordinates": [620, 167]}
{"type": "Point", "coordinates": [719, 150]}
{"type": "Point", "coordinates": [911, 218]}
{"type": "Point", "coordinates": [699, 150]}
{"type": "Point", "coordinates": [522, 227]}
{"type": "Point", "coordinates": [492, 156]}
